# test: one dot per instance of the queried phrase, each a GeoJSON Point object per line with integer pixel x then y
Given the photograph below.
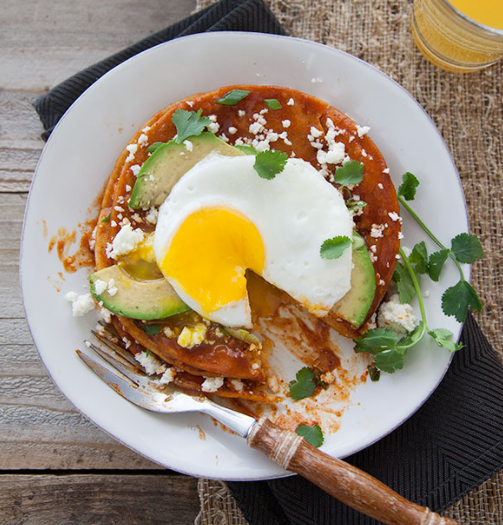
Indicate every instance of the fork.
{"type": "Point", "coordinates": [290, 451]}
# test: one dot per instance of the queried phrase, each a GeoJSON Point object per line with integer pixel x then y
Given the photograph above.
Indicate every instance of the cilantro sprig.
{"type": "Point", "coordinates": [335, 247]}
{"type": "Point", "coordinates": [389, 349]}
{"type": "Point", "coordinates": [312, 434]}
{"type": "Point", "coordinates": [350, 172]}
{"type": "Point", "coordinates": [305, 383]}
{"type": "Point", "coordinates": [464, 249]}
{"type": "Point", "coordinates": [269, 163]}
{"type": "Point", "coordinates": [189, 124]}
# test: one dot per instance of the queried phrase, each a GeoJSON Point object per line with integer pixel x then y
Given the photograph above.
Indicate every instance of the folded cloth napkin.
{"type": "Point", "coordinates": [450, 446]}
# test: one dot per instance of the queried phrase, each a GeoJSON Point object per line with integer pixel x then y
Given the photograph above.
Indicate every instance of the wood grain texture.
{"type": "Point", "coordinates": [98, 499]}
{"type": "Point", "coordinates": [42, 44]}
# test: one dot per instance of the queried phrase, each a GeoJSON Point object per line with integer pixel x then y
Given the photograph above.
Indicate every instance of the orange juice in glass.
{"type": "Point", "coordinates": [459, 35]}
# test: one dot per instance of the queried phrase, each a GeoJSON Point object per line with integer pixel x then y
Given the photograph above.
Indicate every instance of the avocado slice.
{"type": "Point", "coordinates": [137, 299]}
{"type": "Point", "coordinates": [355, 305]}
{"type": "Point", "coordinates": [164, 168]}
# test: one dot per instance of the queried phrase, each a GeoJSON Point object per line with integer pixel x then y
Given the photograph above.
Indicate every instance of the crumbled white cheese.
{"type": "Point", "coordinates": [99, 286]}
{"type": "Point", "coordinates": [362, 130]}
{"type": "Point", "coordinates": [397, 316]}
{"type": "Point", "coordinates": [151, 216]}
{"type": "Point", "coordinates": [274, 384]}
{"type": "Point", "coordinates": [386, 170]}
{"type": "Point", "coordinates": [111, 288]}
{"type": "Point", "coordinates": [106, 315]}
{"type": "Point", "coordinates": [150, 363]}
{"type": "Point", "coordinates": [286, 123]}
{"type": "Point", "coordinates": [191, 336]}
{"type": "Point", "coordinates": [241, 112]}
{"type": "Point", "coordinates": [146, 129]}
{"type": "Point", "coordinates": [237, 384]}
{"type": "Point", "coordinates": [169, 332]}
{"type": "Point", "coordinates": [168, 376]}
{"type": "Point", "coordinates": [394, 216]}
{"type": "Point", "coordinates": [232, 130]}
{"type": "Point", "coordinates": [315, 132]}
{"type": "Point", "coordinates": [212, 384]}
{"type": "Point", "coordinates": [128, 187]}
{"type": "Point", "coordinates": [380, 186]}
{"type": "Point", "coordinates": [135, 169]}
{"type": "Point", "coordinates": [81, 304]}
{"type": "Point", "coordinates": [143, 139]}
{"type": "Point", "coordinates": [188, 145]}
{"type": "Point", "coordinates": [213, 127]}
{"type": "Point", "coordinates": [132, 148]}
{"type": "Point", "coordinates": [124, 242]}
{"type": "Point", "coordinates": [334, 155]}
{"type": "Point", "coordinates": [377, 230]}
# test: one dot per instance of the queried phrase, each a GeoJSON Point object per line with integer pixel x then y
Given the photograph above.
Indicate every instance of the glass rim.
{"type": "Point", "coordinates": [493, 30]}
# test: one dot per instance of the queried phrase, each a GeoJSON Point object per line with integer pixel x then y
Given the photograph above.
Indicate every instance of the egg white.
{"type": "Point", "coordinates": [294, 213]}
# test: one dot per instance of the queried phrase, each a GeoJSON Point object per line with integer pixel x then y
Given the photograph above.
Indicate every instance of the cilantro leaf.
{"type": "Point", "coordinates": [390, 360]}
{"type": "Point", "coordinates": [355, 205]}
{"type": "Point", "coordinates": [437, 261]}
{"type": "Point", "coordinates": [152, 329]}
{"type": "Point", "coordinates": [458, 299]}
{"type": "Point", "coordinates": [350, 173]}
{"type": "Point", "coordinates": [419, 257]}
{"type": "Point", "coordinates": [107, 218]}
{"type": "Point", "coordinates": [443, 339]}
{"type": "Point", "coordinates": [405, 286]}
{"type": "Point", "coordinates": [408, 187]}
{"type": "Point", "coordinates": [272, 103]}
{"type": "Point", "coordinates": [335, 247]}
{"type": "Point", "coordinates": [269, 163]}
{"type": "Point", "coordinates": [304, 384]}
{"type": "Point", "coordinates": [312, 435]}
{"type": "Point", "coordinates": [467, 248]}
{"type": "Point", "coordinates": [376, 340]}
{"type": "Point", "coordinates": [188, 124]}
{"type": "Point", "coordinates": [232, 97]}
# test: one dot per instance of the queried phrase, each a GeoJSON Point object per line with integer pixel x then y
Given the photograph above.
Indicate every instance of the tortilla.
{"type": "Point", "coordinates": [288, 129]}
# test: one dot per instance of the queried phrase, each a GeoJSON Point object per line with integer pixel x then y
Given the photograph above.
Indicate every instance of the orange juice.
{"type": "Point", "coordinates": [452, 34]}
{"type": "Point", "coordinates": [486, 12]}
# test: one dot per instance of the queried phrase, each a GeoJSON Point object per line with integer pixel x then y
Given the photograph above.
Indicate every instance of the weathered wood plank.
{"type": "Point", "coordinates": [39, 427]}
{"type": "Point", "coordinates": [98, 499]}
{"type": "Point", "coordinates": [65, 37]}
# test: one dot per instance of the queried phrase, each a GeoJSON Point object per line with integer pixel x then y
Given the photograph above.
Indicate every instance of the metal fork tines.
{"type": "Point", "coordinates": [129, 380]}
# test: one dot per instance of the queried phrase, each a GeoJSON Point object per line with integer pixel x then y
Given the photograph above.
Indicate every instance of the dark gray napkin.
{"type": "Point", "coordinates": [450, 446]}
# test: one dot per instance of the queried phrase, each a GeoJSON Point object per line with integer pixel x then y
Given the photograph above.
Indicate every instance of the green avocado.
{"type": "Point", "coordinates": [355, 305]}
{"type": "Point", "coordinates": [134, 298]}
{"type": "Point", "coordinates": [169, 162]}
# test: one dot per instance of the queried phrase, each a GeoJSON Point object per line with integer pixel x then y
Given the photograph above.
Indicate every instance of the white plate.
{"type": "Point", "coordinates": [81, 153]}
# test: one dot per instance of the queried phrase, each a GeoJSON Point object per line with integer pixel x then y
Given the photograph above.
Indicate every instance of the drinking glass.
{"type": "Point", "coordinates": [454, 41]}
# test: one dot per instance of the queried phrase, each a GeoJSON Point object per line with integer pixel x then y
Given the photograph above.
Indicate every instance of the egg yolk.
{"type": "Point", "coordinates": [210, 253]}
{"type": "Point", "coordinates": [140, 263]}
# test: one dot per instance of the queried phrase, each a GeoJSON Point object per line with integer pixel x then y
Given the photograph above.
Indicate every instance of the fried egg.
{"type": "Point", "coordinates": [222, 219]}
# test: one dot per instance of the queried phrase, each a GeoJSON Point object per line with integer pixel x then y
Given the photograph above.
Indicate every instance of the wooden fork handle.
{"type": "Point", "coordinates": [341, 480]}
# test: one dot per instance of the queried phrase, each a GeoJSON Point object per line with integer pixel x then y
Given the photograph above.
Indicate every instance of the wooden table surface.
{"type": "Point", "coordinates": [55, 466]}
